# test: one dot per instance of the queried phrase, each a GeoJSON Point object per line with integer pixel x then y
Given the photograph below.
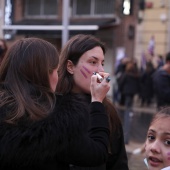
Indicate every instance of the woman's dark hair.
{"type": "Point", "coordinates": [24, 79]}
{"type": "Point", "coordinates": [73, 50]}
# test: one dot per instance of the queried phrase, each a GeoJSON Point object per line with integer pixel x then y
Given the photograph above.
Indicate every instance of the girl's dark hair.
{"type": "Point", "coordinates": [24, 79]}
{"type": "Point", "coordinates": [73, 50]}
{"type": "Point", "coordinates": [164, 112]}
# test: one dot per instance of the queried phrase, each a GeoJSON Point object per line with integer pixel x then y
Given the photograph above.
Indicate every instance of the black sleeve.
{"type": "Point", "coordinates": [163, 87]}
{"type": "Point", "coordinates": [93, 150]}
{"type": "Point", "coordinates": [46, 139]}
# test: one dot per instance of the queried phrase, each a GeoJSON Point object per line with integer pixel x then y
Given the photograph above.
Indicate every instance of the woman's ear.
{"type": "Point", "coordinates": [70, 67]}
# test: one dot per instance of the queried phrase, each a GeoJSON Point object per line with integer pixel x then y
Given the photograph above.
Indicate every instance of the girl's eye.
{"type": "Point", "coordinates": [167, 142]}
{"type": "Point", "coordinates": [151, 137]}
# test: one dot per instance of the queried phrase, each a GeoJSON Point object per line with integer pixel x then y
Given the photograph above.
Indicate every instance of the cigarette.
{"type": "Point", "coordinates": [100, 78]}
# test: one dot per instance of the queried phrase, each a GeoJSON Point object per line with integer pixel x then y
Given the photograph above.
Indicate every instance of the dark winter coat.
{"type": "Point", "coordinates": [117, 159]}
{"type": "Point", "coordinates": [57, 141]}
{"type": "Point", "coordinates": [146, 86]}
{"type": "Point", "coordinates": [129, 84]}
{"type": "Point", "coordinates": [161, 81]}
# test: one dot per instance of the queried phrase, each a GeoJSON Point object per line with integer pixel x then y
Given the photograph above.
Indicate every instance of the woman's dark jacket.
{"type": "Point", "coordinates": [129, 84]}
{"type": "Point", "coordinates": [146, 85]}
{"type": "Point", "coordinates": [56, 142]}
{"type": "Point", "coordinates": [117, 159]}
{"type": "Point", "coordinates": [161, 81]}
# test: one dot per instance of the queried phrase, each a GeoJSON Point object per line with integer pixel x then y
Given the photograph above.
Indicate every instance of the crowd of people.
{"type": "Point", "coordinates": [151, 83]}
{"type": "Point", "coordinates": [55, 114]}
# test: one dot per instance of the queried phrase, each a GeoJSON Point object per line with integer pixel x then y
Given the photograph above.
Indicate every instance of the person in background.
{"type": "Point", "coordinates": [160, 61]}
{"type": "Point", "coordinates": [151, 46]}
{"type": "Point", "coordinates": [119, 73]}
{"type": "Point", "coordinates": [146, 85]}
{"type": "Point", "coordinates": [37, 129]}
{"type": "Point", "coordinates": [157, 145]}
{"type": "Point", "coordinates": [161, 81]}
{"type": "Point", "coordinates": [3, 49]}
{"type": "Point", "coordinates": [129, 86]}
{"type": "Point", "coordinates": [79, 59]}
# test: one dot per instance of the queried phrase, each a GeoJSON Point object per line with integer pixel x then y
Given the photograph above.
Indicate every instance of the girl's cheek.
{"type": "Point", "coordinates": [168, 156]}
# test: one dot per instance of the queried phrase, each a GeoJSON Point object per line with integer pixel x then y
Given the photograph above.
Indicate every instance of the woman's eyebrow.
{"type": "Point", "coordinates": [96, 58]}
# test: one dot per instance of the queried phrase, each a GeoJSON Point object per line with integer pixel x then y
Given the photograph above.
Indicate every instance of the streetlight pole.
{"type": "Point", "coordinates": [65, 21]}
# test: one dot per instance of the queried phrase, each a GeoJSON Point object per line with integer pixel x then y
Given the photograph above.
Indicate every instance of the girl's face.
{"type": "Point", "coordinates": [157, 145]}
{"type": "Point", "coordinates": [91, 61]}
{"type": "Point", "coordinates": [53, 79]}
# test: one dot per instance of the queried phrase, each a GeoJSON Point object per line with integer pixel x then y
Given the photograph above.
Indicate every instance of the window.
{"type": "Point", "coordinates": [83, 8]}
{"type": "Point", "coordinates": [93, 7]}
{"type": "Point", "coordinates": [41, 8]}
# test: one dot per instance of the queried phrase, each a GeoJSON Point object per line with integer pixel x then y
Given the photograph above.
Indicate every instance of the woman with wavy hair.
{"type": "Point", "coordinates": [82, 56]}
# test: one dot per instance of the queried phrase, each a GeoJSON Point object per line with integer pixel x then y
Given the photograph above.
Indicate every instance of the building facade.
{"type": "Point", "coordinates": [155, 23]}
{"type": "Point", "coordinates": [113, 21]}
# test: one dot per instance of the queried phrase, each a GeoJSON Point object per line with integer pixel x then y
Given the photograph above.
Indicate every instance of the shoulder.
{"type": "Point", "coordinates": [72, 102]}
{"type": "Point", "coordinates": [72, 110]}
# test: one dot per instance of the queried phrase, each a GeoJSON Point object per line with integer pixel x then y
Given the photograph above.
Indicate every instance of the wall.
{"type": "Point", "coordinates": [156, 22]}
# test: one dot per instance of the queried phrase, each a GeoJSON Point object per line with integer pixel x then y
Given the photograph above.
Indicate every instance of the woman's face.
{"type": "Point", "coordinates": [91, 61]}
{"type": "Point", "coordinates": [53, 79]}
{"type": "Point", "coordinates": [158, 144]}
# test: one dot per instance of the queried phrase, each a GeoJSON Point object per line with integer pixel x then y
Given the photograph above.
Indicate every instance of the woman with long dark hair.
{"type": "Point", "coordinates": [79, 59]}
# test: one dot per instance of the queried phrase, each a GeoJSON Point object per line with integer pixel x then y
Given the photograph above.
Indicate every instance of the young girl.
{"type": "Point", "coordinates": [157, 146]}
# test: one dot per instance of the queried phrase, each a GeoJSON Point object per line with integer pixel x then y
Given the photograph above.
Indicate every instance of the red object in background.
{"type": "Point", "coordinates": [149, 4]}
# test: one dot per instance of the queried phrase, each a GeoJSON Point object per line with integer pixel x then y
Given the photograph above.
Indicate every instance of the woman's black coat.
{"type": "Point", "coordinates": [117, 158]}
{"type": "Point", "coordinates": [57, 141]}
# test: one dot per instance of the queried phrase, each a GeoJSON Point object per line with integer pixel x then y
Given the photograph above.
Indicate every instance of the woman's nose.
{"type": "Point", "coordinates": [100, 68]}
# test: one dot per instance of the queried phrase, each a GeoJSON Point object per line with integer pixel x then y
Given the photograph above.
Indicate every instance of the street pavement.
{"type": "Point", "coordinates": [135, 161]}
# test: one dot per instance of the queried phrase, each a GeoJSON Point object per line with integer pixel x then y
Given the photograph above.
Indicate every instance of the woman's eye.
{"type": "Point", "coordinates": [93, 62]}
{"type": "Point", "coordinates": [167, 142]}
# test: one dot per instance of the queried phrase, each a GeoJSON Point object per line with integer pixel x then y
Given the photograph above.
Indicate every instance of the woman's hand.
{"type": "Point", "coordinates": [99, 89]}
